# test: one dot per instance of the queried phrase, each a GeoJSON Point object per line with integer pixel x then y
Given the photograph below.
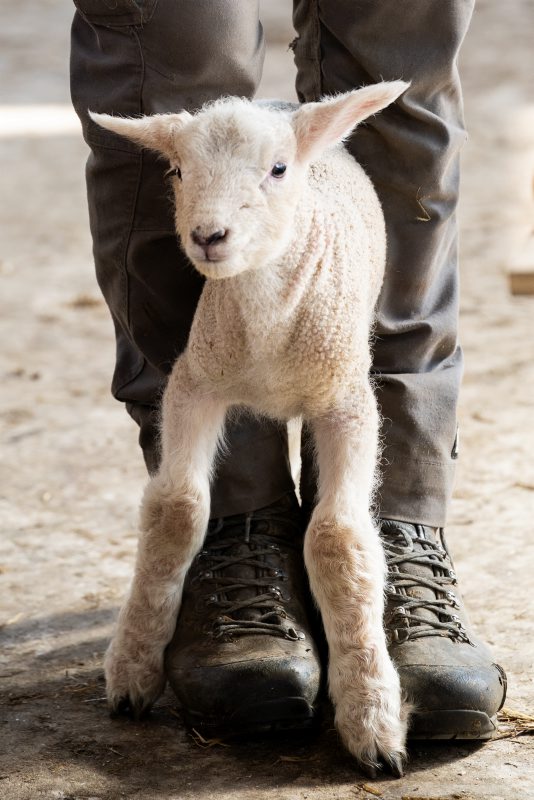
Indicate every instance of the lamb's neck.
{"type": "Point", "coordinates": [280, 285]}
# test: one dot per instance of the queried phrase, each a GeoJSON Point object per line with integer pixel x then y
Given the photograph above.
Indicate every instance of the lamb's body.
{"type": "Point", "coordinates": [284, 328]}
{"type": "Point", "coordinates": [291, 339]}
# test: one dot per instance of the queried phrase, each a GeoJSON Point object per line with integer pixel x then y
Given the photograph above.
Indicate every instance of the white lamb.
{"type": "Point", "coordinates": [290, 234]}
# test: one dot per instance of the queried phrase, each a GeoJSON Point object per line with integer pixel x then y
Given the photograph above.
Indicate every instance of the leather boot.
{"type": "Point", "coordinates": [242, 658]}
{"type": "Point", "coordinates": [445, 670]}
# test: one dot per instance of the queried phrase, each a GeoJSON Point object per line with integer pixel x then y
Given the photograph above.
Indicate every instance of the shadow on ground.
{"type": "Point", "coordinates": [54, 698]}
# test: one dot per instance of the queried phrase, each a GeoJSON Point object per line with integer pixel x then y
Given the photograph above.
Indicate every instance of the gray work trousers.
{"type": "Point", "coordinates": [146, 56]}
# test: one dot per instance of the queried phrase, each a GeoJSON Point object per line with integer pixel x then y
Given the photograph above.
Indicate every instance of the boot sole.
{"type": "Point", "coordinates": [285, 714]}
{"type": "Point", "coordinates": [452, 724]}
{"type": "Point", "coordinates": [295, 713]}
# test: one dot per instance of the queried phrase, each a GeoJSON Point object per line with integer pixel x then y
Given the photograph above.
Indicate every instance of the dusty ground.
{"type": "Point", "coordinates": [71, 474]}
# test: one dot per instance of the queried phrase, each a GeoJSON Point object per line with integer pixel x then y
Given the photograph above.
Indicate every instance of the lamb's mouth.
{"type": "Point", "coordinates": [213, 257]}
{"type": "Point", "coordinates": [210, 254]}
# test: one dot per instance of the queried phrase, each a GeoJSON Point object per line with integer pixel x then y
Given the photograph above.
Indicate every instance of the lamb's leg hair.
{"type": "Point", "coordinates": [346, 568]}
{"type": "Point", "coordinates": [174, 518]}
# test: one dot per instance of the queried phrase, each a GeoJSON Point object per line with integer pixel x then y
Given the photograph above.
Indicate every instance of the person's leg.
{"type": "Point", "coordinates": [152, 57]}
{"type": "Point", "coordinates": [411, 152]}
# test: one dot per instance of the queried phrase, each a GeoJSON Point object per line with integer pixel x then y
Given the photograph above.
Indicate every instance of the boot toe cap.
{"type": "Point", "coordinates": [246, 692]}
{"type": "Point", "coordinates": [454, 701]}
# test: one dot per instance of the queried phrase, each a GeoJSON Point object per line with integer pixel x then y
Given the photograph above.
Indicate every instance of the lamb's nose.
{"type": "Point", "coordinates": [212, 238]}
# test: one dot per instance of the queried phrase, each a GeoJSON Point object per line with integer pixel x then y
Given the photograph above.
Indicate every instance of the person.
{"type": "Point", "coordinates": [134, 57]}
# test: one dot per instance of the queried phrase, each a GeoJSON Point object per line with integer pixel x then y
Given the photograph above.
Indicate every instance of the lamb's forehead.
{"type": "Point", "coordinates": [238, 128]}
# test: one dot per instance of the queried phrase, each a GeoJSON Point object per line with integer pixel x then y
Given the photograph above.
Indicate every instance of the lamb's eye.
{"type": "Point", "coordinates": [178, 172]}
{"type": "Point", "coordinates": [278, 169]}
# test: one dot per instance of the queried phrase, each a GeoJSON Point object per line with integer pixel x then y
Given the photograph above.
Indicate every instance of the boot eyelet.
{"type": "Point", "coordinates": [451, 597]}
{"type": "Point", "coordinates": [212, 599]}
{"type": "Point", "coordinates": [275, 592]}
{"type": "Point", "coordinates": [207, 574]}
{"type": "Point", "coordinates": [274, 573]}
{"type": "Point", "coordinates": [294, 635]}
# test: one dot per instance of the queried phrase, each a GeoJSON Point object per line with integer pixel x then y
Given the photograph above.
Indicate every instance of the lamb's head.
{"type": "Point", "coordinates": [238, 169]}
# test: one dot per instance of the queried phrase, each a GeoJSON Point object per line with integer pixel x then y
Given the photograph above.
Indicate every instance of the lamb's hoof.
{"type": "Point", "coordinates": [120, 707]}
{"type": "Point", "coordinates": [392, 764]}
{"type": "Point", "coordinates": [375, 754]}
{"type": "Point", "coordinates": [133, 681]}
{"type": "Point", "coordinates": [374, 736]}
{"type": "Point", "coordinates": [136, 709]}
{"type": "Point", "coordinates": [395, 765]}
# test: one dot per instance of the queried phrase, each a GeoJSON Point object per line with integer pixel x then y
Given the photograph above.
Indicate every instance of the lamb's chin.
{"type": "Point", "coordinates": [217, 270]}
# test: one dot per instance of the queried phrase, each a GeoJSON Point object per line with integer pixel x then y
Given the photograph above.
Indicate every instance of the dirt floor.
{"type": "Point", "coordinates": [71, 474]}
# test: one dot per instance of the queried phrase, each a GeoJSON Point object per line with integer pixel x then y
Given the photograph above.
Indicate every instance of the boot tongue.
{"type": "Point", "coordinates": [248, 544]}
{"type": "Point", "coordinates": [242, 571]}
{"type": "Point", "coordinates": [411, 541]}
{"type": "Point", "coordinates": [249, 534]}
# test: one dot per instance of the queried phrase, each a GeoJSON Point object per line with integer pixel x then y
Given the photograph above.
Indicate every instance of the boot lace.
{"type": "Point", "coordinates": [265, 598]}
{"type": "Point", "coordinates": [406, 617]}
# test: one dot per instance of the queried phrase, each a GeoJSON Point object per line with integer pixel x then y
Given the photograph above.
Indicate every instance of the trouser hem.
{"type": "Point", "coordinates": [413, 491]}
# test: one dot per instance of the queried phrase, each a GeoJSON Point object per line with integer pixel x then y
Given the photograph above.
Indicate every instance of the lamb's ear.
{"type": "Point", "coordinates": [318, 126]}
{"type": "Point", "coordinates": [155, 132]}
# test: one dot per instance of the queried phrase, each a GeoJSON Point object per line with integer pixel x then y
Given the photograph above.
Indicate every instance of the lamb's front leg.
{"type": "Point", "coordinates": [346, 568]}
{"type": "Point", "coordinates": [174, 518]}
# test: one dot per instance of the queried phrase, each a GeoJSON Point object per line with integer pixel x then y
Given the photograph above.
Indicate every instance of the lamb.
{"type": "Point", "coordinates": [289, 233]}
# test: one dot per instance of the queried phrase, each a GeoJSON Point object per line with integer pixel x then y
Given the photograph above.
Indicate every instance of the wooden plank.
{"type": "Point", "coordinates": [521, 269]}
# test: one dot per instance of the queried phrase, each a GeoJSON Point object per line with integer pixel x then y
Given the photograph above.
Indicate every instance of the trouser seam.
{"type": "Point", "coordinates": [318, 78]}
{"type": "Point", "coordinates": [135, 36]}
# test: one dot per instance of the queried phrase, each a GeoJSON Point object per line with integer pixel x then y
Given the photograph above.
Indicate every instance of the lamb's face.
{"type": "Point", "coordinates": [236, 185]}
{"type": "Point", "coordinates": [239, 168]}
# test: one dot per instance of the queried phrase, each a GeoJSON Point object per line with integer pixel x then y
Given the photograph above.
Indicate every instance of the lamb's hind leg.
{"type": "Point", "coordinates": [174, 518]}
{"type": "Point", "coordinates": [346, 568]}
